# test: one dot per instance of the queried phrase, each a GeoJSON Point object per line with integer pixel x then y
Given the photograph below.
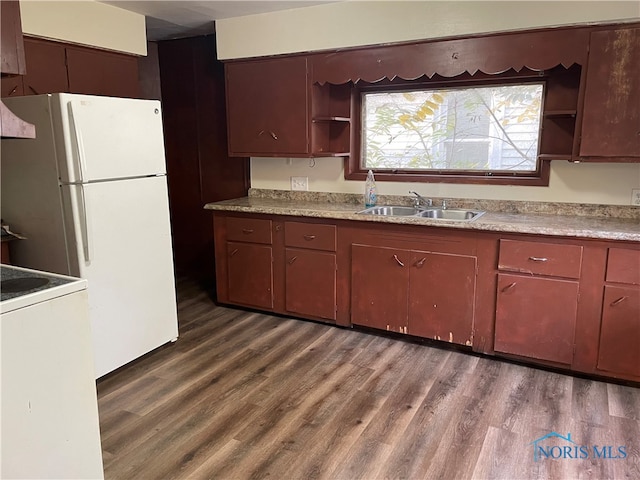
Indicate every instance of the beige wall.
{"type": "Point", "coordinates": [85, 23]}
{"type": "Point", "coordinates": [354, 23]}
{"type": "Point", "coordinates": [360, 23]}
{"type": "Point", "coordinates": [570, 182]}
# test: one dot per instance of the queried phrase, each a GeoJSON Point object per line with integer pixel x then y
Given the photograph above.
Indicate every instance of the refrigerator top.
{"type": "Point", "coordinates": [107, 138]}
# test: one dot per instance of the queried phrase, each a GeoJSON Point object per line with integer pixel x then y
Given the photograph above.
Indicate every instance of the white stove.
{"type": "Point", "coordinates": [21, 287]}
{"type": "Point", "coordinates": [49, 409]}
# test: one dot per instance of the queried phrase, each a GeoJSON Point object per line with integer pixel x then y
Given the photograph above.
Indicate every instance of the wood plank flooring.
{"type": "Point", "coordinates": [243, 395]}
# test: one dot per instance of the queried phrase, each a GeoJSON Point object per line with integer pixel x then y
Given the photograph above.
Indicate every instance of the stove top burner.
{"type": "Point", "coordinates": [14, 285]}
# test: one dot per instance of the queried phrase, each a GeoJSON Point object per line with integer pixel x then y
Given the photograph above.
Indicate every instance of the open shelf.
{"type": "Point", "coordinates": [331, 120]}
{"type": "Point", "coordinates": [560, 113]}
{"type": "Point", "coordinates": [551, 156]}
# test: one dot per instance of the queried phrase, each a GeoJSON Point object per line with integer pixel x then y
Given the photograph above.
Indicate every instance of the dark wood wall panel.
{"type": "Point", "coordinates": [199, 168]}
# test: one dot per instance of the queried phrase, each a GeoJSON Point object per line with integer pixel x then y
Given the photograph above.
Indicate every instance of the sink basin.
{"type": "Point", "coordinates": [450, 214]}
{"type": "Point", "coordinates": [391, 211]}
{"type": "Point", "coordinates": [435, 213]}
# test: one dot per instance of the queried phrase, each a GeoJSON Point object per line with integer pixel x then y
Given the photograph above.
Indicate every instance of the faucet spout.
{"type": "Point", "coordinates": [421, 200]}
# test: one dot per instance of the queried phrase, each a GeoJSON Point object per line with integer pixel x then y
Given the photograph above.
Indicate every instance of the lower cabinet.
{"type": "Point", "coordinates": [619, 351]}
{"type": "Point", "coordinates": [568, 303]}
{"type": "Point", "coordinates": [442, 296]}
{"type": "Point", "coordinates": [536, 317]}
{"type": "Point", "coordinates": [250, 274]}
{"type": "Point", "coordinates": [310, 269]}
{"type": "Point", "coordinates": [421, 293]}
{"type": "Point", "coordinates": [280, 266]}
{"type": "Point", "coordinates": [380, 287]}
{"type": "Point", "coordinates": [310, 283]}
{"type": "Point", "coordinates": [537, 307]}
{"type": "Point", "coordinates": [620, 332]}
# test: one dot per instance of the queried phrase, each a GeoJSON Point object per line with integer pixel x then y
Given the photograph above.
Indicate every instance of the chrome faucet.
{"type": "Point", "coordinates": [427, 202]}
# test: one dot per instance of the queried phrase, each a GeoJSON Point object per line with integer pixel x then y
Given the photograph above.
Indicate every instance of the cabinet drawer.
{"type": "Point", "coordinates": [310, 235]}
{"type": "Point", "coordinates": [623, 266]}
{"type": "Point", "coordinates": [254, 230]}
{"type": "Point", "coordinates": [540, 258]}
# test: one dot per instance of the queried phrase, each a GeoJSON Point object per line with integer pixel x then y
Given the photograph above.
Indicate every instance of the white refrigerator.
{"type": "Point", "coordinates": [90, 194]}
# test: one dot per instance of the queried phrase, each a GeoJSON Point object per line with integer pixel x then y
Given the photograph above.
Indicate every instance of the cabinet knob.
{"type": "Point", "coordinates": [271, 134]}
{"type": "Point", "coordinates": [395, 257]}
{"type": "Point", "coordinates": [13, 90]}
{"type": "Point", "coordinates": [508, 287]}
{"type": "Point", "coordinates": [420, 262]}
{"type": "Point", "coordinates": [538, 259]}
{"type": "Point", "coordinates": [292, 259]}
{"type": "Point", "coordinates": [309, 237]}
{"type": "Point", "coordinates": [35, 92]}
{"type": "Point", "coordinates": [619, 301]}
{"type": "Point", "coordinates": [247, 231]}
{"type": "Point", "coordinates": [233, 252]}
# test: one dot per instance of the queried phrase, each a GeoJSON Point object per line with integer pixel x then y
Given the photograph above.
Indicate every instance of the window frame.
{"type": "Point", "coordinates": [354, 171]}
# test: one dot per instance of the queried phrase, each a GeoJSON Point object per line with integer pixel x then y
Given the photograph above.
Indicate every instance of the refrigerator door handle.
{"type": "Point", "coordinates": [84, 225]}
{"type": "Point", "coordinates": [79, 144]}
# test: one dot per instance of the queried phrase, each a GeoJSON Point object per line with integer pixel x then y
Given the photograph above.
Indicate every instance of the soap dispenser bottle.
{"type": "Point", "coordinates": [370, 191]}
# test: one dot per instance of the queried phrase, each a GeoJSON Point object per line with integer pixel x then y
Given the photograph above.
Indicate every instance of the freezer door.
{"type": "Point", "coordinates": [123, 242]}
{"type": "Point", "coordinates": [102, 138]}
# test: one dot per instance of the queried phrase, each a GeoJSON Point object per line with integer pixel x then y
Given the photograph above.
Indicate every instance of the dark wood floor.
{"type": "Point", "coordinates": [245, 395]}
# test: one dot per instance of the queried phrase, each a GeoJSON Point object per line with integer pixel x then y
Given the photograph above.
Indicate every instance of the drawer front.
{"type": "Point", "coordinates": [623, 266]}
{"type": "Point", "coordinates": [552, 259]}
{"type": "Point", "coordinates": [310, 235]}
{"type": "Point", "coordinates": [253, 230]}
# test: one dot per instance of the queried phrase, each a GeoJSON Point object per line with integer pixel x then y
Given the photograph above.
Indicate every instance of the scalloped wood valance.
{"type": "Point", "coordinates": [491, 54]}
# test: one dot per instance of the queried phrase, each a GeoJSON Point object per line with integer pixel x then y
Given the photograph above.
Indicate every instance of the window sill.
{"type": "Point", "coordinates": [540, 179]}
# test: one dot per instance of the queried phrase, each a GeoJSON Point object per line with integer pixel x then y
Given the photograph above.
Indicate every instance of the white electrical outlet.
{"type": "Point", "coordinates": [299, 183]}
{"type": "Point", "coordinates": [635, 197]}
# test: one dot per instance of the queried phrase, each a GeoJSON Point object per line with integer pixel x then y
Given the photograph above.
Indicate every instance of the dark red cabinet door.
{"type": "Point", "coordinates": [611, 115]}
{"type": "Point", "coordinates": [96, 72]}
{"type": "Point", "coordinates": [441, 297]}
{"type": "Point", "coordinates": [620, 332]}
{"type": "Point", "coordinates": [310, 283]}
{"type": "Point", "coordinates": [12, 59]}
{"type": "Point", "coordinates": [47, 72]}
{"type": "Point", "coordinates": [536, 317]}
{"type": "Point", "coordinates": [380, 287]}
{"type": "Point", "coordinates": [11, 86]}
{"type": "Point", "coordinates": [250, 274]}
{"type": "Point", "coordinates": [267, 107]}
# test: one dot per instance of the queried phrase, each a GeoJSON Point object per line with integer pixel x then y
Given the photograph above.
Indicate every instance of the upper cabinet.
{"type": "Point", "coordinates": [611, 111]}
{"type": "Point", "coordinates": [11, 43]}
{"type": "Point", "coordinates": [305, 105]}
{"type": "Point", "coordinates": [47, 71]}
{"type": "Point", "coordinates": [96, 72]}
{"type": "Point", "coordinates": [274, 110]}
{"type": "Point", "coordinates": [11, 66]}
{"type": "Point", "coordinates": [55, 67]}
{"type": "Point", "coordinates": [267, 107]}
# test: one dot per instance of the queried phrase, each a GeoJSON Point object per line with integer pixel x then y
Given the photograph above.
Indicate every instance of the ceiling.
{"type": "Point", "coordinates": [175, 19]}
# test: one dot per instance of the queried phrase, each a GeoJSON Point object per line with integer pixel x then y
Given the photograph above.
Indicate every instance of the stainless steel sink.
{"type": "Point", "coordinates": [391, 210]}
{"type": "Point", "coordinates": [454, 214]}
{"type": "Point", "coordinates": [450, 214]}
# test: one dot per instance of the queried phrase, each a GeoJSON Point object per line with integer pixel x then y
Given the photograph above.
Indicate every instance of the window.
{"type": "Point", "coordinates": [470, 133]}
{"type": "Point", "coordinates": [470, 128]}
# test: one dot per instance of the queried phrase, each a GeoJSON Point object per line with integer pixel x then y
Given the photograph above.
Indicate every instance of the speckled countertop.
{"type": "Point", "coordinates": [575, 220]}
